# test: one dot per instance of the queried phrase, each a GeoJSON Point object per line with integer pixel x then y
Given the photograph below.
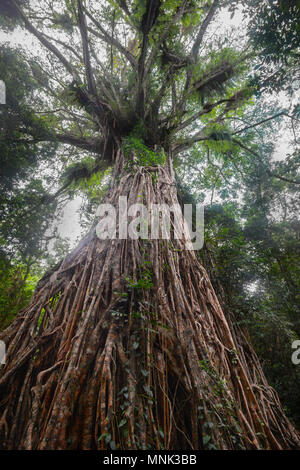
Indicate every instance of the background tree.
{"type": "Point", "coordinates": [24, 217]}
{"type": "Point", "coordinates": [274, 32]}
{"type": "Point", "coordinates": [252, 238]}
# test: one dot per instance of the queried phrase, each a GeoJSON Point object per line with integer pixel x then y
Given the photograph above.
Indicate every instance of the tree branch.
{"type": "Point", "coordinates": [122, 4]}
{"type": "Point", "coordinates": [216, 73]}
{"type": "Point", "coordinates": [92, 145]}
{"type": "Point", "coordinates": [147, 23]}
{"type": "Point", "coordinates": [259, 123]}
{"type": "Point", "coordinates": [163, 36]}
{"type": "Point", "coordinates": [203, 29]}
{"type": "Point", "coordinates": [67, 46]}
{"type": "Point", "coordinates": [45, 42]}
{"type": "Point", "coordinates": [109, 39]}
{"type": "Point", "coordinates": [208, 108]}
{"type": "Point", "coordinates": [98, 108]}
{"type": "Point", "coordinates": [283, 178]}
{"type": "Point", "coordinates": [85, 48]}
{"type": "Point", "coordinates": [269, 172]}
{"type": "Point", "coordinates": [187, 143]}
{"type": "Point", "coordinates": [143, 66]}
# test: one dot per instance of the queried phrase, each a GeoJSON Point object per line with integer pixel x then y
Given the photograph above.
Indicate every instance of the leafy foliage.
{"type": "Point", "coordinates": [21, 128]}
{"type": "Point", "coordinates": [275, 32]}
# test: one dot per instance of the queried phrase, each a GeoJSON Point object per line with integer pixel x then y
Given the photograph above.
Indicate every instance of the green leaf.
{"type": "Point", "coordinates": [113, 445]}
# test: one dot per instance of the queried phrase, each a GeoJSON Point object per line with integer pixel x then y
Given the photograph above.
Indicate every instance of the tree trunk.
{"type": "Point", "coordinates": [126, 345]}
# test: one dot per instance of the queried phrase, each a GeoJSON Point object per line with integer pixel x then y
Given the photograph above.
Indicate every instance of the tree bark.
{"type": "Point", "coordinates": [126, 345]}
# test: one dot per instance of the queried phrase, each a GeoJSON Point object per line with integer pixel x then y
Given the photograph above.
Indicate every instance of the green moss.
{"type": "Point", "coordinates": [138, 153]}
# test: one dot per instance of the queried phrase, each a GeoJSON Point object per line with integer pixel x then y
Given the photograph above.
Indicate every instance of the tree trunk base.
{"type": "Point", "coordinates": [127, 346]}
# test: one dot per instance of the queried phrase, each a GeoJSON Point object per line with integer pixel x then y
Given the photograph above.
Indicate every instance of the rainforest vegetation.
{"type": "Point", "coordinates": [142, 344]}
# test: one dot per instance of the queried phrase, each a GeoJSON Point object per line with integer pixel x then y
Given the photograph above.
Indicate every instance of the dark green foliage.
{"type": "Point", "coordinates": [20, 128]}
{"type": "Point", "coordinates": [275, 35]}
{"type": "Point", "coordinates": [275, 28]}
{"type": "Point", "coordinates": [252, 245]}
{"type": "Point", "coordinates": [24, 219]}
{"type": "Point", "coordinates": [257, 259]}
{"type": "Point", "coordinates": [79, 170]}
{"type": "Point", "coordinates": [16, 288]}
{"type": "Point", "coordinates": [25, 208]}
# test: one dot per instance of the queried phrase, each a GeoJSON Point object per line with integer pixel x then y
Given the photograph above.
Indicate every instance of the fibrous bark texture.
{"type": "Point", "coordinates": [126, 345]}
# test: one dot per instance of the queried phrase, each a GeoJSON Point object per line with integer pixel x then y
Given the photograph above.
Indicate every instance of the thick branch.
{"type": "Point", "coordinates": [203, 29]}
{"type": "Point", "coordinates": [148, 21]}
{"type": "Point", "coordinates": [109, 39]}
{"type": "Point", "coordinates": [92, 145]}
{"type": "Point", "coordinates": [66, 46]}
{"type": "Point", "coordinates": [163, 36]}
{"type": "Point", "coordinates": [85, 47]}
{"type": "Point", "coordinates": [158, 98]}
{"type": "Point", "coordinates": [143, 66]}
{"type": "Point", "coordinates": [187, 143]}
{"type": "Point", "coordinates": [122, 4]}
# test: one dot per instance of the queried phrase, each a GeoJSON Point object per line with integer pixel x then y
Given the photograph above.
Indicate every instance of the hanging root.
{"type": "Point", "coordinates": [126, 346]}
